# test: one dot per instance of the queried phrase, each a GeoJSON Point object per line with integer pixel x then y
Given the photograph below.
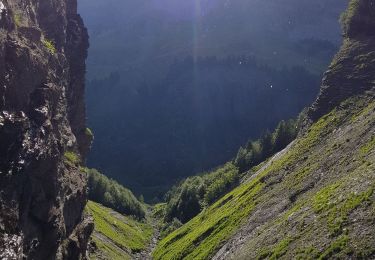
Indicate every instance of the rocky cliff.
{"type": "Point", "coordinates": [352, 70]}
{"type": "Point", "coordinates": [43, 138]}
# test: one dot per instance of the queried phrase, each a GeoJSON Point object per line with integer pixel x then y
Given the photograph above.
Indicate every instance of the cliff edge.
{"type": "Point", "coordinates": [351, 71]}
{"type": "Point", "coordinates": [43, 137]}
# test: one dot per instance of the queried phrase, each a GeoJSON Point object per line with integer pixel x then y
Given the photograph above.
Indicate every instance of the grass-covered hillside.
{"type": "Point", "coordinates": [315, 199]}
{"type": "Point", "coordinates": [116, 236]}
{"type": "Point", "coordinates": [111, 194]}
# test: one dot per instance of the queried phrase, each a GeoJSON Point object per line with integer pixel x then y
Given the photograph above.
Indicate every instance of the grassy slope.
{"type": "Point", "coordinates": [312, 201]}
{"type": "Point", "coordinates": [117, 236]}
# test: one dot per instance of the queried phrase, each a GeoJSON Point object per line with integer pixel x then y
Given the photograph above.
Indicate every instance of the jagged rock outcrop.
{"type": "Point", "coordinates": [352, 70]}
{"type": "Point", "coordinates": [43, 138]}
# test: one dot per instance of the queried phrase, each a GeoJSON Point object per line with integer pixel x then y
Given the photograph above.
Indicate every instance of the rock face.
{"type": "Point", "coordinates": [352, 70]}
{"type": "Point", "coordinates": [43, 137]}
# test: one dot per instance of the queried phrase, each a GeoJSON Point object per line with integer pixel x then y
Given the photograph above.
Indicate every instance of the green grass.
{"type": "Point", "coordinates": [17, 19]}
{"type": "Point", "coordinates": [124, 232]}
{"type": "Point", "coordinates": [200, 237]}
{"type": "Point", "coordinates": [72, 158]}
{"type": "Point", "coordinates": [50, 45]}
{"type": "Point", "coordinates": [349, 14]}
{"type": "Point", "coordinates": [159, 210]}
{"type": "Point", "coordinates": [89, 132]}
{"type": "Point", "coordinates": [368, 147]}
{"type": "Point", "coordinates": [337, 246]}
{"type": "Point", "coordinates": [278, 251]}
{"type": "Point", "coordinates": [335, 210]}
{"type": "Point", "coordinates": [108, 251]}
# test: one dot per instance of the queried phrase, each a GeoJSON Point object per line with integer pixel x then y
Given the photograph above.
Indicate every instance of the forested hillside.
{"type": "Point", "coordinates": [175, 87]}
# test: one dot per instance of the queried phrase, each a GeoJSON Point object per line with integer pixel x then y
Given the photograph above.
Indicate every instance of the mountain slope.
{"type": "Point", "coordinates": [175, 87]}
{"type": "Point", "coordinates": [116, 236]}
{"type": "Point", "coordinates": [315, 200]}
{"type": "Point", "coordinates": [305, 190]}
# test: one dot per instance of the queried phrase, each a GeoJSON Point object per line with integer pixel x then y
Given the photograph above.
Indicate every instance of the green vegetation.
{"type": "Point", "coordinates": [111, 194]}
{"type": "Point", "coordinates": [337, 246]}
{"type": "Point", "coordinates": [17, 19]}
{"type": "Point", "coordinates": [72, 158]}
{"type": "Point", "coordinates": [350, 14]}
{"type": "Point", "coordinates": [106, 250]}
{"type": "Point", "coordinates": [278, 251]}
{"type": "Point", "coordinates": [337, 212]}
{"type": "Point", "coordinates": [192, 195]}
{"type": "Point", "coordinates": [367, 148]}
{"type": "Point", "coordinates": [188, 199]}
{"type": "Point", "coordinates": [50, 45]}
{"type": "Point", "coordinates": [117, 236]}
{"type": "Point", "coordinates": [202, 143]}
{"type": "Point", "coordinates": [89, 132]}
{"type": "Point", "coordinates": [203, 235]}
{"type": "Point", "coordinates": [256, 152]}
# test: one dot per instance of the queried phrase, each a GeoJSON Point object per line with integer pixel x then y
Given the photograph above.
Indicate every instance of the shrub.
{"type": "Point", "coordinates": [89, 132]}
{"type": "Point", "coordinates": [170, 227]}
{"type": "Point", "coordinates": [50, 45]}
{"type": "Point", "coordinates": [113, 195]}
{"type": "Point", "coordinates": [17, 19]}
{"type": "Point", "coordinates": [72, 158]}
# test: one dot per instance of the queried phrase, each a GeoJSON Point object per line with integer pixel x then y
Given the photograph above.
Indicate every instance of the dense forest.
{"type": "Point", "coordinates": [151, 135]}
{"type": "Point", "coordinates": [185, 200]}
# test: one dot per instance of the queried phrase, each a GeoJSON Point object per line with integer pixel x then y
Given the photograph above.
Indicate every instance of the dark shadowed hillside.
{"type": "Point", "coordinates": [175, 87]}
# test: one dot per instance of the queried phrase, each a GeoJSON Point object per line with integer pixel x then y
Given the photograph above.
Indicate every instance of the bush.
{"type": "Point", "coordinates": [50, 45]}
{"type": "Point", "coordinates": [72, 158]}
{"type": "Point", "coordinates": [17, 19]}
{"type": "Point", "coordinates": [89, 133]}
{"type": "Point", "coordinates": [170, 227]}
{"type": "Point", "coordinates": [113, 195]}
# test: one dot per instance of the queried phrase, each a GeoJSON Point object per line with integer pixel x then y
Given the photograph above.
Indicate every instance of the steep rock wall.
{"type": "Point", "coordinates": [43, 138]}
{"type": "Point", "coordinates": [352, 70]}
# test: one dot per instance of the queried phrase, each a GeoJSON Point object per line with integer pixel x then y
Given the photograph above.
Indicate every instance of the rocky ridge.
{"type": "Point", "coordinates": [351, 71]}
{"type": "Point", "coordinates": [43, 137]}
